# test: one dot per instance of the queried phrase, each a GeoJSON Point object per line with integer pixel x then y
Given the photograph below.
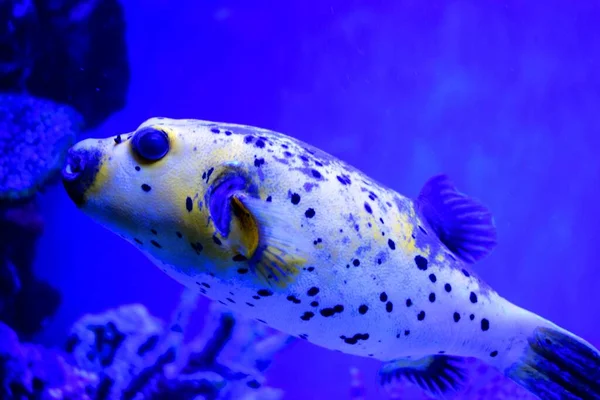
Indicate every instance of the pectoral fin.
{"type": "Point", "coordinates": [257, 232]}
{"type": "Point", "coordinates": [274, 251]}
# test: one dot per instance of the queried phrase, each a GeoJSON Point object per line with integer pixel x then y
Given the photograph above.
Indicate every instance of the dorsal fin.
{"type": "Point", "coordinates": [465, 226]}
{"type": "Point", "coordinates": [440, 376]}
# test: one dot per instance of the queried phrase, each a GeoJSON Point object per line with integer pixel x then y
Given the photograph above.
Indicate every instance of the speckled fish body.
{"type": "Point", "coordinates": [309, 245]}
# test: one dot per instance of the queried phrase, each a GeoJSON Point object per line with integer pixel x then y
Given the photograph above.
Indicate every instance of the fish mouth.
{"type": "Point", "coordinates": [79, 172]}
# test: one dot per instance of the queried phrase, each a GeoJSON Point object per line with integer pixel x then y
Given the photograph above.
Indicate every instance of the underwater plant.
{"type": "Point", "coordinates": [126, 353]}
{"type": "Point", "coordinates": [63, 69]}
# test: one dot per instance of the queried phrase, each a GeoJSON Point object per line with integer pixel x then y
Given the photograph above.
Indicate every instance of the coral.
{"type": "Point", "coordinates": [69, 51]}
{"type": "Point", "coordinates": [25, 301]}
{"type": "Point", "coordinates": [63, 68]}
{"type": "Point", "coordinates": [33, 372]}
{"type": "Point", "coordinates": [34, 137]}
{"type": "Point", "coordinates": [126, 353]}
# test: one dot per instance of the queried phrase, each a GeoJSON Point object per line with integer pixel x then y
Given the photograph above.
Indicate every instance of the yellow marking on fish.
{"type": "Point", "coordinates": [440, 257]}
{"type": "Point", "coordinates": [245, 229]}
{"type": "Point", "coordinates": [403, 228]}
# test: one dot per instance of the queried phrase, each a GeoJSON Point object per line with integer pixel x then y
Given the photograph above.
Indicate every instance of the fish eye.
{"type": "Point", "coordinates": [151, 144]}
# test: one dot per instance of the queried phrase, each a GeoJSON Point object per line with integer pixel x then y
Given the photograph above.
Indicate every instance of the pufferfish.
{"type": "Point", "coordinates": [293, 237]}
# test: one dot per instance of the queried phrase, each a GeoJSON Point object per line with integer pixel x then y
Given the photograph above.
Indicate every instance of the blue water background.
{"type": "Point", "coordinates": [502, 95]}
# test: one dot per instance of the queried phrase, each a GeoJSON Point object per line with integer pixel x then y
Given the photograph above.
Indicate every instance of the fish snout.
{"type": "Point", "coordinates": [80, 170]}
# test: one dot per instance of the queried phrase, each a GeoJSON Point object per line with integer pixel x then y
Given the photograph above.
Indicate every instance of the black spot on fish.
{"type": "Point", "coordinates": [473, 298]}
{"type": "Point", "coordinates": [250, 304]}
{"type": "Point", "coordinates": [255, 297]}
{"type": "Point", "coordinates": [248, 139]}
{"type": "Point", "coordinates": [228, 133]}
{"type": "Point", "coordinates": [447, 287]}
{"type": "Point", "coordinates": [313, 291]}
{"type": "Point", "coordinates": [409, 302]}
{"type": "Point", "coordinates": [389, 306]}
{"type": "Point", "coordinates": [494, 353]}
{"type": "Point", "coordinates": [214, 130]}
{"type": "Point", "coordinates": [210, 171]}
{"type": "Point", "coordinates": [154, 232]}
{"type": "Point", "coordinates": [363, 309]}
{"type": "Point", "coordinates": [146, 188]}
{"type": "Point", "coordinates": [155, 244]}
{"type": "Point", "coordinates": [230, 300]}
{"type": "Point", "coordinates": [260, 144]}
{"type": "Point", "coordinates": [421, 315]}
{"type": "Point", "coordinates": [356, 262]}
{"type": "Point", "coordinates": [264, 292]}
{"type": "Point", "coordinates": [216, 240]}
{"type": "Point", "coordinates": [456, 317]}
{"type": "Point", "coordinates": [485, 324]}
{"type": "Point", "coordinates": [137, 168]}
{"type": "Point", "coordinates": [189, 204]}
{"type": "Point", "coordinates": [421, 262]}
{"type": "Point", "coordinates": [269, 199]}
{"type": "Point", "coordinates": [391, 244]}
{"type": "Point", "coordinates": [307, 316]}
{"type": "Point", "coordinates": [309, 213]}
{"type": "Point", "coordinates": [432, 297]}
{"type": "Point", "coordinates": [316, 174]}
{"type": "Point", "coordinates": [197, 246]}
{"type": "Point", "coordinates": [295, 198]}
{"type": "Point", "coordinates": [179, 235]}
{"type": "Point", "coordinates": [258, 162]}
{"type": "Point", "coordinates": [242, 271]}
{"type": "Point", "coordinates": [472, 317]}
{"type": "Point", "coordinates": [383, 297]}
{"type": "Point", "coordinates": [344, 179]}
{"type": "Point", "coordinates": [118, 139]}
{"type": "Point", "coordinates": [293, 299]}
{"type": "Point", "coordinates": [328, 312]}
{"type": "Point", "coordinates": [432, 278]}
{"type": "Point", "coordinates": [239, 258]}
{"type": "Point", "coordinates": [138, 241]}
{"type": "Point", "coordinates": [466, 273]}
{"type": "Point", "coordinates": [314, 303]}
{"type": "Point", "coordinates": [310, 269]}
{"type": "Point", "coordinates": [354, 339]}
{"type": "Point", "coordinates": [406, 332]}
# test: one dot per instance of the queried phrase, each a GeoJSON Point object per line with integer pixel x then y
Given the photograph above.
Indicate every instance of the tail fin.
{"type": "Point", "coordinates": [558, 365]}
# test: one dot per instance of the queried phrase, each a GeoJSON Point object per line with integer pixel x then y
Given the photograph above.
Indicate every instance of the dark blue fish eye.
{"type": "Point", "coordinates": [151, 144]}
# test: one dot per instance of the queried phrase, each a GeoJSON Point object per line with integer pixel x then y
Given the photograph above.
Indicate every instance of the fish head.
{"type": "Point", "coordinates": [150, 187]}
